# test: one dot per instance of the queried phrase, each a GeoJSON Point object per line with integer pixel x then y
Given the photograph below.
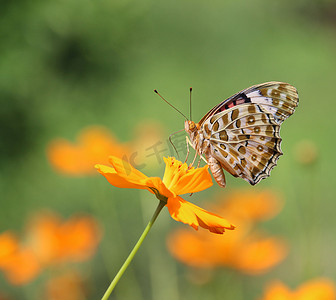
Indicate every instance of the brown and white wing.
{"type": "Point", "coordinates": [277, 98]}
{"type": "Point", "coordinates": [245, 140]}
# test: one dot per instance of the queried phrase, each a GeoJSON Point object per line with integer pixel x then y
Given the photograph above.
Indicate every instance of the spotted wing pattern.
{"type": "Point", "coordinates": [278, 98]}
{"type": "Point", "coordinates": [244, 130]}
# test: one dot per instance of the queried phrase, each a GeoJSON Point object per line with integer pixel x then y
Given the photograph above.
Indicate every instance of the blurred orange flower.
{"type": "Point", "coordinates": [19, 264]}
{"type": "Point", "coordinates": [94, 145]}
{"type": "Point", "coordinates": [54, 241]}
{"type": "Point", "coordinates": [48, 241]}
{"type": "Point", "coordinates": [316, 289]}
{"type": "Point", "coordinates": [8, 245]}
{"type": "Point", "coordinates": [252, 206]}
{"type": "Point", "coordinates": [67, 286]}
{"type": "Point", "coordinates": [246, 250]}
{"type": "Point", "coordinates": [178, 179]}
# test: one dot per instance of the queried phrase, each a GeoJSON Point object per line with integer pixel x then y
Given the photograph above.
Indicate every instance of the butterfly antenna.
{"type": "Point", "coordinates": [190, 103]}
{"type": "Point", "coordinates": [170, 104]}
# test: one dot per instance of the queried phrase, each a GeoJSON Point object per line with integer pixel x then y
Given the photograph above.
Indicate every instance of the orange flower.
{"type": "Point", "coordinates": [8, 245]}
{"type": "Point", "coordinates": [252, 206]}
{"type": "Point", "coordinates": [68, 286]}
{"type": "Point", "coordinates": [178, 179]}
{"type": "Point", "coordinates": [19, 264]}
{"type": "Point", "coordinates": [22, 266]}
{"type": "Point", "coordinates": [94, 145]}
{"type": "Point", "coordinates": [316, 289]}
{"type": "Point", "coordinates": [246, 250]}
{"type": "Point", "coordinates": [54, 241]}
{"type": "Point", "coordinates": [48, 241]}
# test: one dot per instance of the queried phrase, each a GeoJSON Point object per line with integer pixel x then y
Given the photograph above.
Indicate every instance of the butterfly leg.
{"type": "Point", "coordinates": [188, 151]}
{"type": "Point", "coordinates": [201, 156]}
{"type": "Point", "coordinates": [171, 142]}
{"type": "Point", "coordinates": [199, 161]}
{"type": "Point", "coordinates": [193, 161]}
{"type": "Point", "coordinates": [188, 143]}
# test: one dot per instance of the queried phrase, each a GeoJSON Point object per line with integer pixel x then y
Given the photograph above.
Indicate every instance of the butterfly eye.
{"type": "Point", "coordinates": [191, 125]}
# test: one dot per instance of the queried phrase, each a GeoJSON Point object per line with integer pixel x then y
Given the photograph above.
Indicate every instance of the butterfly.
{"type": "Point", "coordinates": [242, 134]}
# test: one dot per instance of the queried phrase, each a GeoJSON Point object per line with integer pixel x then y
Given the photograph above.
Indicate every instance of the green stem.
{"type": "Point", "coordinates": [134, 251]}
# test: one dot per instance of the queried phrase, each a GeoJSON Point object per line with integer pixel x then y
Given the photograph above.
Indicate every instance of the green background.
{"type": "Point", "coordinates": [65, 65]}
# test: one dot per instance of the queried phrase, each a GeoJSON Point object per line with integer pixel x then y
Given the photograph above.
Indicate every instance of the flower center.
{"type": "Point", "coordinates": [175, 175]}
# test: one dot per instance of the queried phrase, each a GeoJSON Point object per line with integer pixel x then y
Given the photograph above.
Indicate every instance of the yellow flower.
{"type": "Point", "coordinates": [178, 179]}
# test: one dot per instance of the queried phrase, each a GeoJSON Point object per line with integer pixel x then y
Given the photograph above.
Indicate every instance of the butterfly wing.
{"type": "Point", "coordinates": [245, 140]}
{"type": "Point", "coordinates": [278, 98]}
{"type": "Point", "coordinates": [244, 130]}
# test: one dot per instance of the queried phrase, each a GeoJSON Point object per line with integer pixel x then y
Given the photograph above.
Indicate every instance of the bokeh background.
{"type": "Point", "coordinates": [66, 66]}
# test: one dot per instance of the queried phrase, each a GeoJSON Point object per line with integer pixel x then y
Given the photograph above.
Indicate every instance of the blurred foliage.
{"type": "Point", "coordinates": [65, 65]}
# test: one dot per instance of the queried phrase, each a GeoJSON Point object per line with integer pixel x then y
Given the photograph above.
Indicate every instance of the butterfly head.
{"type": "Point", "coordinates": [190, 126]}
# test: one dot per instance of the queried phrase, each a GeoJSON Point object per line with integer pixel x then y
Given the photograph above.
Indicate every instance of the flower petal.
{"type": "Point", "coordinates": [125, 170]}
{"type": "Point", "coordinates": [188, 213]}
{"type": "Point", "coordinates": [195, 180]}
{"type": "Point", "coordinates": [116, 180]}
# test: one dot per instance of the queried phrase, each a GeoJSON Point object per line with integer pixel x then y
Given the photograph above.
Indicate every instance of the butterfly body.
{"type": "Point", "coordinates": [242, 134]}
